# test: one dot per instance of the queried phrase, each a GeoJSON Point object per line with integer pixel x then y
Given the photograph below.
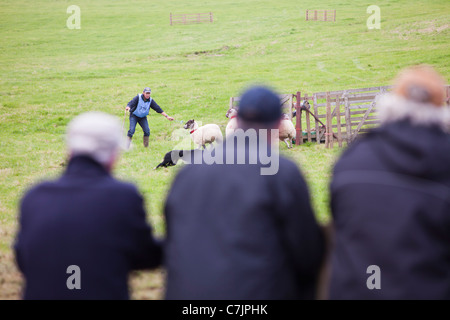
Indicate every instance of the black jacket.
{"type": "Point", "coordinates": [88, 219]}
{"type": "Point", "coordinates": [235, 234]}
{"type": "Point", "coordinates": [390, 199]}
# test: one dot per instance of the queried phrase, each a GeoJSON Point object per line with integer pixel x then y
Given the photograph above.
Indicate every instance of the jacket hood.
{"type": "Point", "coordinates": [421, 151]}
{"type": "Point", "coordinates": [413, 138]}
{"type": "Point", "coordinates": [393, 108]}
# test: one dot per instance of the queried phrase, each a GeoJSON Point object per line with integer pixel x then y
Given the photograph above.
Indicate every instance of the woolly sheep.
{"type": "Point", "coordinates": [232, 123]}
{"type": "Point", "coordinates": [204, 134]}
{"type": "Point", "coordinates": [287, 130]}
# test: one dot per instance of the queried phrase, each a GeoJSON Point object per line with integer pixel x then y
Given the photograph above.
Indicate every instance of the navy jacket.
{"type": "Point", "coordinates": [88, 219]}
{"type": "Point", "coordinates": [390, 198]}
{"type": "Point", "coordinates": [234, 234]}
{"type": "Point", "coordinates": [134, 103]}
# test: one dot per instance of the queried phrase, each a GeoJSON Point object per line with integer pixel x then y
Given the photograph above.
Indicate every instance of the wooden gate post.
{"type": "Point", "coordinates": [298, 117]}
{"type": "Point", "coordinates": [328, 116]}
{"type": "Point", "coordinates": [308, 124]}
{"type": "Point", "coordinates": [338, 121]}
{"type": "Point", "coordinates": [348, 120]}
{"type": "Point", "coordinates": [316, 113]}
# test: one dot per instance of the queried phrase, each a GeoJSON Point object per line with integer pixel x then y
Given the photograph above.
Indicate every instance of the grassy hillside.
{"type": "Point", "coordinates": [50, 73]}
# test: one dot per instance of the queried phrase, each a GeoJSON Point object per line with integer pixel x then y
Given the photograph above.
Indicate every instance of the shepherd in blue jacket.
{"type": "Point", "coordinates": [81, 235]}
{"type": "Point", "coordinates": [139, 108]}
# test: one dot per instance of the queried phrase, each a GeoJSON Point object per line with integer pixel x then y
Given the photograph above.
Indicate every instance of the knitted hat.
{"type": "Point", "coordinates": [421, 84]}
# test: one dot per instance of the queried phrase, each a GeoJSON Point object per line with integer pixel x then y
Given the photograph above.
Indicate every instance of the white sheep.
{"type": "Point", "coordinates": [287, 130]}
{"type": "Point", "coordinates": [232, 123]}
{"type": "Point", "coordinates": [204, 134]}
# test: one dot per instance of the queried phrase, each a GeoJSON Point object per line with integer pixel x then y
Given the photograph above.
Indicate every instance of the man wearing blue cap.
{"type": "Point", "coordinates": [139, 108]}
{"type": "Point", "coordinates": [235, 231]}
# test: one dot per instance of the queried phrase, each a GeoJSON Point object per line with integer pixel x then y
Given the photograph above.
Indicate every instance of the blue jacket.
{"type": "Point", "coordinates": [88, 219]}
{"type": "Point", "coordinates": [134, 103]}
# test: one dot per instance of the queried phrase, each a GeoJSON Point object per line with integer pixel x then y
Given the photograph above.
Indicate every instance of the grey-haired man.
{"type": "Point", "coordinates": [139, 108]}
{"type": "Point", "coordinates": [82, 234]}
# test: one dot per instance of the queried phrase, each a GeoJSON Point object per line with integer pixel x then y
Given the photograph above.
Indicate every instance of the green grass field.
{"type": "Point", "coordinates": [50, 73]}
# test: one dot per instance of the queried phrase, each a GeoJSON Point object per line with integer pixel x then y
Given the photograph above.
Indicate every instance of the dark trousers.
{"type": "Point", "coordinates": [142, 122]}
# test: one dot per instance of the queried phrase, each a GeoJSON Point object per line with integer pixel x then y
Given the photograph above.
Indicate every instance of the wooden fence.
{"type": "Point", "coordinates": [337, 115]}
{"type": "Point", "coordinates": [334, 116]}
{"type": "Point", "coordinates": [321, 15]}
{"type": "Point", "coordinates": [190, 18]}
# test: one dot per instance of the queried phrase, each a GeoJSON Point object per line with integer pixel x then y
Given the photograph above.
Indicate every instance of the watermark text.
{"type": "Point", "coordinates": [374, 21]}
{"type": "Point", "coordinates": [74, 21]}
{"type": "Point", "coordinates": [73, 281]}
{"type": "Point", "coordinates": [374, 280]}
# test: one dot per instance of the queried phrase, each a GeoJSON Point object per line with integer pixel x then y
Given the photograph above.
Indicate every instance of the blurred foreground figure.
{"type": "Point", "coordinates": [82, 234]}
{"type": "Point", "coordinates": [390, 199]}
{"type": "Point", "coordinates": [237, 231]}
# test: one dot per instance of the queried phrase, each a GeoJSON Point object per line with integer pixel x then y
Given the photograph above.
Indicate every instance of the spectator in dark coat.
{"type": "Point", "coordinates": [236, 231]}
{"type": "Point", "coordinates": [82, 234]}
{"type": "Point", "coordinates": [390, 198]}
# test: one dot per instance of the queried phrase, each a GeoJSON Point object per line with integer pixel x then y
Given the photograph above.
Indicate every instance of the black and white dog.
{"type": "Point", "coordinates": [172, 157]}
{"type": "Point", "coordinates": [168, 160]}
